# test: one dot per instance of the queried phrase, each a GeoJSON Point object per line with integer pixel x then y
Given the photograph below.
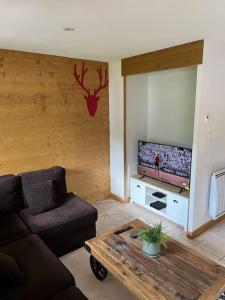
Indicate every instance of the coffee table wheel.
{"type": "Point", "coordinates": [98, 269]}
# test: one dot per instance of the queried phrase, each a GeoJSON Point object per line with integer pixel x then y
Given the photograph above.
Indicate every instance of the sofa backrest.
{"type": "Point", "coordinates": [10, 194]}
{"type": "Point", "coordinates": [56, 174]}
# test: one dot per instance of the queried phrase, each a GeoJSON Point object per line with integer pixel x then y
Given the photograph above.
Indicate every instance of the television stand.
{"type": "Point", "coordinates": [145, 191]}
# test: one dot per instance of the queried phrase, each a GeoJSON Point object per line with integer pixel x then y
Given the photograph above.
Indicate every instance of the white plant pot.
{"type": "Point", "coordinates": [151, 249]}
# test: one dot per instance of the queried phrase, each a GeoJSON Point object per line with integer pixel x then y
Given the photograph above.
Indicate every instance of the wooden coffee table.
{"type": "Point", "coordinates": [178, 273]}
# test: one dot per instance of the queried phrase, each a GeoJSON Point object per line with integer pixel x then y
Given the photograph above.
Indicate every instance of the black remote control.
{"type": "Point", "coordinates": [134, 235]}
{"type": "Point", "coordinates": [122, 230]}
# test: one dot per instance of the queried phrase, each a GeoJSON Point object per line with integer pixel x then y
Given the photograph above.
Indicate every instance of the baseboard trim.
{"type": "Point", "coordinates": [118, 198]}
{"type": "Point", "coordinates": [200, 230]}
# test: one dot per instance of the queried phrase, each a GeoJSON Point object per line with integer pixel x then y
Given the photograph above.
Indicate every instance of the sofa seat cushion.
{"type": "Point", "coordinates": [73, 213]}
{"type": "Point", "coordinates": [44, 274]}
{"type": "Point", "coordinates": [71, 293]}
{"type": "Point", "coordinates": [56, 174]}
{"type": "Point", "coordinates": [10, 273]}
{"type": "Point", "coordinates": [12, 228]}
{"type": "Point", "coordinates": [10, 197]}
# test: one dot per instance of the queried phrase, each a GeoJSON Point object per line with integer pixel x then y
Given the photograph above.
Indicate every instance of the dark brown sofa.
{"type": "Point", "coordinates": [27, 238]}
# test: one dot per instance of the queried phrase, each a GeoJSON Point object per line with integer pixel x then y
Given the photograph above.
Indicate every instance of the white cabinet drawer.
{"type": "Point", "coordinates": [177, 209]}
{"type": "Point", "coordinates": [137, 191]}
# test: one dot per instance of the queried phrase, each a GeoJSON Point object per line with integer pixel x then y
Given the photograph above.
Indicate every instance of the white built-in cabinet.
{"type": "Point", "coordinates": [176, 210]}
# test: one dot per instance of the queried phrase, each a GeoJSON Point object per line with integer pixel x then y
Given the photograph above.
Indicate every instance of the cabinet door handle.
{"type": "Point", "coordinates": [138, 186]}
{"type": "Point", "coordinates": [175, 201]}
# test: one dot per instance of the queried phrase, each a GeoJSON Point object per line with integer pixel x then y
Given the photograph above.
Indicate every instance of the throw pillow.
{"type": "Point", "coordinates": [41, 197]}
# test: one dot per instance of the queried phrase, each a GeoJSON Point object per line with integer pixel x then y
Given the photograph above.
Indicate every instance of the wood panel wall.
{"type": "Point", "coordinates": [174, 57]}
{"type": "Point", "coordinates": [44, 121]}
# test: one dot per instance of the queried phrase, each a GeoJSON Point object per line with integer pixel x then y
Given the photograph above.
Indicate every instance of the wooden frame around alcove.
{"type": "Point", "coordinates": [180, 56]}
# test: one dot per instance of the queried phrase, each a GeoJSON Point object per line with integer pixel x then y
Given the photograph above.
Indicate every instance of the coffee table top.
{"type": "Point", "coordinates": [178, 273]}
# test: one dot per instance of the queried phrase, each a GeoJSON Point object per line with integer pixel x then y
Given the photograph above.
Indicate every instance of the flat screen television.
{"type": "Point", "coordinates": [170, 164]}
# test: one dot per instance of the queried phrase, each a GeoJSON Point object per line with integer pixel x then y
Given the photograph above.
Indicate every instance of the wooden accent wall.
{"type": "Point", "coordinates": [175, 57]}
{"type": "Point", "coordinates": [44, 121]}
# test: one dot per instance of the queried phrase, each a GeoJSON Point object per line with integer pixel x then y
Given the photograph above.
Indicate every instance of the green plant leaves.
{"type": "Point", "coordinates": [154, 234]}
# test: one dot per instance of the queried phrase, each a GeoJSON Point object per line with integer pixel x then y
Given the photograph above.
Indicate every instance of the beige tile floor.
{"type": "Point", "coordinates": [111, 214]}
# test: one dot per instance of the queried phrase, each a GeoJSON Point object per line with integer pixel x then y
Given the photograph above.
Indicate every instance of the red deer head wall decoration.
{"type": "Point", "coordinates": [91, 97]}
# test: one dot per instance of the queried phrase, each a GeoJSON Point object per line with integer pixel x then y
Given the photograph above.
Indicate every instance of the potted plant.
{"type": "Point", "coordinates": [153, 237]}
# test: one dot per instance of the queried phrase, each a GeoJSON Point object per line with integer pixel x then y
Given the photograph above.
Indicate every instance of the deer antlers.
{"type": "Point", "coordinates": [101, 85]}
{"type": "Point", "coordinates": [80, 79]}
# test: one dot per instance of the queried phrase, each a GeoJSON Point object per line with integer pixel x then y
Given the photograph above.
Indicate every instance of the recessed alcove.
{"type": "Point", "coordinates": [160, 107]}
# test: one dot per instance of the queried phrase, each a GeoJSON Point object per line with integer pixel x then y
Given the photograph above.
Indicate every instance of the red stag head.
{"type": "Point", "coordinates": [91, 97]}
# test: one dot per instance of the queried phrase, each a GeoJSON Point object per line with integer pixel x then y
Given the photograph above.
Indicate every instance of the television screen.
{"type": "Point", "coordinates": [170, 164]}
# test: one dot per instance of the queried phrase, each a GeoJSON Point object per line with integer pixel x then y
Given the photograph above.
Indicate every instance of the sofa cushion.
{"type": "Point", "coordinates": [66, 227]}
{"type": "Point", "coordinates": [10, 198]}
{"type": "Point", "coordinates": [74, 212]}
{"type": "Point", "coordinates": [56, 174]}
{"type": "Point", "coordinates": [71, 293]}
{"type": "Point", "coordinates": [10, 274]}
{"type": "Point", "coordinates": [40, 197]}
{"type": "Point", "coordinates": [44, 274]}
{"type": "Point", "coordinates": [12, 228]}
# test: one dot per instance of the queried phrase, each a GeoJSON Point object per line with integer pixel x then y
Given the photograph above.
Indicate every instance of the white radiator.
{"type": "Point", "coordinates": [217, 194]}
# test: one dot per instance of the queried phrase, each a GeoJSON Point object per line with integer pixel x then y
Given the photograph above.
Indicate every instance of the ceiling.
{"type": "Point", "coordinates": [107, 29]}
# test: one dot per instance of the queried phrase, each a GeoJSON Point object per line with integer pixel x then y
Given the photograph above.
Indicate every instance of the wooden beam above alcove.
{"type": "Point", "coordinates": [170, 58]}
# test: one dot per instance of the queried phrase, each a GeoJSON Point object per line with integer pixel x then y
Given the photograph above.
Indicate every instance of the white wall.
{"type": "Point", "coordinates": [116, 117]}
{"type": "Point", "coordinates": [209, 137]}
{"type": "Point", "coordinates": [171, 106]}
{"type": "Point", "coordinates": [137, 118]}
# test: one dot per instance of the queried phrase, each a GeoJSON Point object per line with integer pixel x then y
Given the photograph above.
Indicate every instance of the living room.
{"type": "Point", "coordinates": [112, 150]}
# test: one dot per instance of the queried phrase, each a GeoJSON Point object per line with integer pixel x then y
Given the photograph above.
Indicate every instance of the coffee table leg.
{"type": "Point", "coordinates": [98, 269]}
